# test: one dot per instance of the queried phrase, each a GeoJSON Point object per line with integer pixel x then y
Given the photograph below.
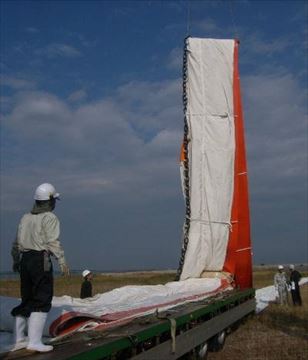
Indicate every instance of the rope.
{"type": "Point", "coordinates": [172, 329]}
{"type": "Point", "coordinates": [209, 222]}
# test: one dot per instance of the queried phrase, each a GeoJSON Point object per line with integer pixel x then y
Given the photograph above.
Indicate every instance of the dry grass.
{"type": "Point", "coordinates": [105, 282]}
{"type": "Point", "coordinates": [262, 278]}
{"type": "Point", "coordinates": [101, 283]}
{"type": "Point", "coordinates": [278, 333]}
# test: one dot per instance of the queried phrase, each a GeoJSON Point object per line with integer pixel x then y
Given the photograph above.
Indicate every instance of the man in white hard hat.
{"type": "Point", "coordinates": [295, 277]}
{"type": "Point", "coordinates": [37, 239]}
{"type": "Point", "coordinates": [86, 286]}
{"type": "Point", "coordinates": [280, 282]}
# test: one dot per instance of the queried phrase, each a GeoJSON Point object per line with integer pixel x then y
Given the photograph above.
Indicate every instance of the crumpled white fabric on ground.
{"type": "Point", "coordinates": [269, 294]}
{"type": "Point", "coordinates": [120, 299]}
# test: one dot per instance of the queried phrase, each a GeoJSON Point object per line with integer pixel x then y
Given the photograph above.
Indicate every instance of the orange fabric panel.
{"type": "Point", "coordinates": [182, 155]}
{"type": "Point", "coordinates": [238, 258]}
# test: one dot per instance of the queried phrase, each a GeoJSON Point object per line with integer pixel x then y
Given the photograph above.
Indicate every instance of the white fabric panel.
{"type": "Point", "coordinates": [121, 299]}
{"type": "Point", "coordinates": [211, 153]}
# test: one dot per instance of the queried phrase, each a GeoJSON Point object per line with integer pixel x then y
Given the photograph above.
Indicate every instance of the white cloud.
{"type": "Point", "coordinates": [276, 127]}
{"type": "Point", "coordinates": [208, 25]}
{"type": "Point", "coordinates": [37, 114]}
{"type": "Point", "coordinates": [77, 96]}
{"type": "Point", "coordinates": [115, 143]}
{"type": "Point", "coordinates": [5, 103]}
{"type": "Point", "coordinates": [17, 83]}
{"type": "Point", "coordinates": [175, 59]}
{"type": "Point", "coordinates": [98, 146]}
{"type": "Point", "coordinates": [166, 141]}
{"type": "Point", "coordinates": [58, 50]}
{"type": "Point", "coordinates": [260, 45]}
{"type": "Point", "coordinates": [32, 30]}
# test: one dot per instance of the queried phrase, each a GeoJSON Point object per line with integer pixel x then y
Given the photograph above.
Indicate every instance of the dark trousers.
{"type": "Point", "coordinates": [36, 283]}
{"type": "Point", "coordinates": [296, 296]}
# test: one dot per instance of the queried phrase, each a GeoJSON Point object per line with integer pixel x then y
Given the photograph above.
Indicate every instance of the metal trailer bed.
{"type": "Point", "coordinates": [168, 335]}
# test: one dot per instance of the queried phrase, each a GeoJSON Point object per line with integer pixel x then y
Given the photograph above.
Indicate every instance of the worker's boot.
{"type": "Point", "coordinates": [35, 330]}
{"type": "Point", "coordinates": [21, 340]}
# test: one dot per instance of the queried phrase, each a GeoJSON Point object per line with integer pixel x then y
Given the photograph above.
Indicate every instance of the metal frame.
{"type": "Point", "coordinates": [198, 335]}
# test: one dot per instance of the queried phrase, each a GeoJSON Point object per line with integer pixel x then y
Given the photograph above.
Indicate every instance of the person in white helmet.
{"type": "Point", "coordinates": [86, 286]}
{"type": "Point", "coordinates": [281, 286]}
{"type": "Point", "coordinates": [36, 241]}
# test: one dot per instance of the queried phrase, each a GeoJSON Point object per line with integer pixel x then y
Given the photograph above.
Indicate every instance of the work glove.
{"type": "Point", "coordinates": [16, 267]}
{"type": "Point", "coordinates": [65, 271]}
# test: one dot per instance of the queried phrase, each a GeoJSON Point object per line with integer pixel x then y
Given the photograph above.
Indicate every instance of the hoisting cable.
{"type": "Point", "coordinates": [188, 18]}
{"type": "Point", "coordinates": [231, 4]}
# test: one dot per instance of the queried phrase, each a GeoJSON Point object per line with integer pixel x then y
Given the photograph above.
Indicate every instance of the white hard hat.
{"type": "Point", "coordinates": [291, 267]}
{"type": "Point", "coordinates": [280, 267]}
{"type": "Point", "coordinates": [45, 191]}
{"type": "Point", "coordinates": [86, 273]}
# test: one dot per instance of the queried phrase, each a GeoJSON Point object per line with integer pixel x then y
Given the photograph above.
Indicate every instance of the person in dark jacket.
{"type": "Point", "coordinates": [86, 286]}
{"type": "Point", "coordinates": [295, 277]}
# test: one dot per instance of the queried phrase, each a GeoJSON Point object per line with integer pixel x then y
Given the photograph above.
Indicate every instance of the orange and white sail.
{"type": "Point", "coordinates": [218, 233]}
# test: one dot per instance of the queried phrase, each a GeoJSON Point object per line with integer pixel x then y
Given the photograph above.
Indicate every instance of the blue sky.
{"type": "Point", "coordinates": [91, 102]}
